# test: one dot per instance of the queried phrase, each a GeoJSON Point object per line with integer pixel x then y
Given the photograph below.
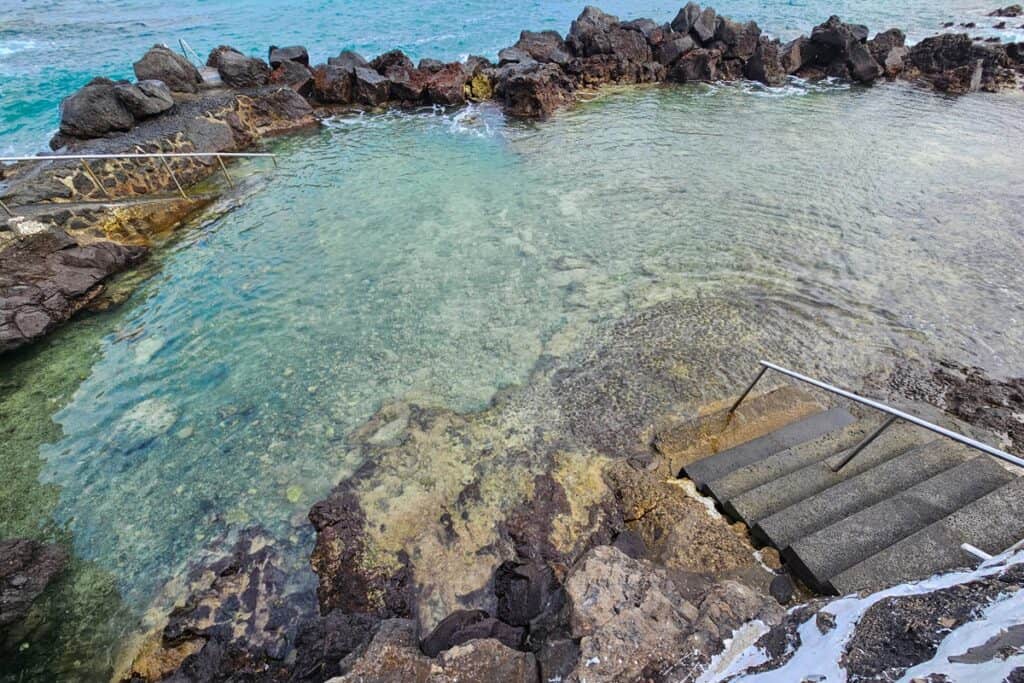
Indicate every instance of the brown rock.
{"type": "Point", "coordinates": [697, 65]}
{"type": "Point", "coordinates": [333, 84]}
{"type": "Point", "coordinates": [447, 85]}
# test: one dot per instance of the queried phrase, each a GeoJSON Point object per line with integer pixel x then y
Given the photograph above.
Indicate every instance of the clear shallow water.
{"type": "Point", "coordinates": [48, 48]}
{"type": "Point", "coordinates": [437, 257]}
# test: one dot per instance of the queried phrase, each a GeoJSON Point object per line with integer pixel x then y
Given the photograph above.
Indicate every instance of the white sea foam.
{"type": "Point", "coordinates": [11, 47]}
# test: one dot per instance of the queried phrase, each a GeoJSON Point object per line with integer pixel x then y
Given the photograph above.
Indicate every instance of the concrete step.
{"type": "Point", "coordinates": [991, 523]}
{"type": "Point", "coordinates": [769, 498]}
{"type": "Point", "coordinates": [859, 492]}
{"type": "Point", "coordinates": [824, 554]}
{"type": "Point", "coordinates": [774, 466]}
{"type": "Point", "coordinates": [714, 429]}
{"type": "Point", "coordinates": [806, 429]}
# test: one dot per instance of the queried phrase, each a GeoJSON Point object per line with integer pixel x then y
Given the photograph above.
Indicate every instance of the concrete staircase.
{"type": "Point", "coordinates": [900, 510]}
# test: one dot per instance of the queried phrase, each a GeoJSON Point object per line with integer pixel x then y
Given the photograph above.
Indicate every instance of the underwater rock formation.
{"type": "Point", "coordinates": [27, 567]}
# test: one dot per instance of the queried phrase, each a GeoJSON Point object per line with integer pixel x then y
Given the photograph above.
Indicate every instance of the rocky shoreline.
{"type": "Point", "coordinates": [237, 101]}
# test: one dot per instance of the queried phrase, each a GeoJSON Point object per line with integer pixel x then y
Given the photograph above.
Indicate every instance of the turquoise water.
{"type": "Point", "coordinates": [436, 257]}
{"type": "Point", "coordinates": [48, 48]}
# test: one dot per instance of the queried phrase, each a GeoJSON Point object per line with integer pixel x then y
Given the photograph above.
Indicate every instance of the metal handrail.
{"type": "Point", "coordinates": [892, 412]}
{"type": "Point", "coordinates": [163, 156]}
{"type": "Point", "coordinates": [132, 155]}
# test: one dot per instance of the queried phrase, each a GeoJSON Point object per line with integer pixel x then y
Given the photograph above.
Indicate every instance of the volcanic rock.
{"type": "Point", "coordinates": [145, 98]}
{"type": "Point", "coordinates": [95, 110]}
{"type": "Point", "coordinates": [294, 53]}
{"type": "Point", "coordinates": [161, 63]}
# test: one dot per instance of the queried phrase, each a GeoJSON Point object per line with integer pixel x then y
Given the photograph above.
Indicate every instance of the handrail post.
{"type": "Point", "coordinates": [224, 168]}
{"type": "Point", "coordinates": [95, 180]}
{"type": "Point", "coordinates": [173, 177]}
{"type": "Point", "coordinates": [864, 444]}
{"type": "Point", "coordinates": [764, 369]}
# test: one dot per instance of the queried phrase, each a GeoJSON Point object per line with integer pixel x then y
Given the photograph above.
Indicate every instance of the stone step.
{"type": "Point", "coordinates": [859, 492]}
{"type": "Point", "coordinates": [774, 466]}
{"type": "Point", "coordinates": [824, 554]}
{"type": "Point", "coordinates": [991, 523]}
{"type": "Point", "coordinates": [767, 499]}
{"type": "Point", "coordinates": [806, 429]}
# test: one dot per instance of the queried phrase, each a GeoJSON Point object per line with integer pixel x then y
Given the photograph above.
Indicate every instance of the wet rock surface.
{"type": "Point", "coordinates": [968, 393]}
{"type": "Point", "coordinates": [27, 567]}
{"type": "Point", "coordinates": [47, 277]}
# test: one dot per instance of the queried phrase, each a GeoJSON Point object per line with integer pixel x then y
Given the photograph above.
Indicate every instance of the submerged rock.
{"type": "Point", "coordinates": [160, 63]}
{"type": "Point", "coordinates": [27, 567]}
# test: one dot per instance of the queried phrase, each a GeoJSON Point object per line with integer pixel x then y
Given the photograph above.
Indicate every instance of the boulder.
{"type": "Point", "coordinates": [370, 88]}
{"type": "Point", "coordinates": [27, 567]}
{"type": "Point", "coordinates": [145, 98]}
{"type": "Point", "coordinates": [394, 59]}
{"type": "Point", "coordinates": [431, 65]}
{"type": "Point", "coordinates": [631, 618]}
{"type": "Point", "coordinates": [705, 24]}
{"type": "Point", "coordinates": [1010, 11]}
{"type": "Point", "coordinates": [295, 75]}
{"type": "Point", "coordinates": [523, 591]}
{"type": "Point", "coordinates": [686, 18]}
{"type": "Point", "coordinates": [160, 63]}
{"type": "Point", "coordinates": [837, 35]}
{"type": "Point", "coordinates": [323, 642]}
{"type": "Point", "coordinates": [797, 54]}
{"type": "Point", "coordinates": [391, 657]}
{"type": "Point", "coordinates": [348, 59]}
{"type": "Point", "coordinates": [673, 47]}
{"type": "Point", "coordinates": [486, 660]}
{"type": "Point", "coordinates": [863, 67]}
{"type": "Point", "coordinates": [238, 71]}
{"type": "Point", "coordinates": [447, 86]}
{"type": "Point", "coordinates": [647, 27]}
{"type": "Point", "coordinates": [740, 39]}
{"type": "Point", "coordinates": [588, 34]}
{"type": "Point", "coordinates": [533, 90]}
{"type": "Point", "coordinates": [407, 85]}
{"type": "Point", "coordinates": [333, 84]}
{"type": "Point", "coordinates": [546, 47]}
{"type": "Point", "coordinates": [954, 63]}
{"type": "Point", "coordinates": [294, 53]}
{"type": "Point", "coordinates": [95, 110]}
{"type": "Point", "coordinates": [463, 626]}
{"type": "Point", "coordinates": [696, 65]}
{"type": "Point", "coordinates": [765, 64]}
{"type": "Point", "coordinates": [513, 55]}
{"type": "Point", "coordinates": [884, 42]}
